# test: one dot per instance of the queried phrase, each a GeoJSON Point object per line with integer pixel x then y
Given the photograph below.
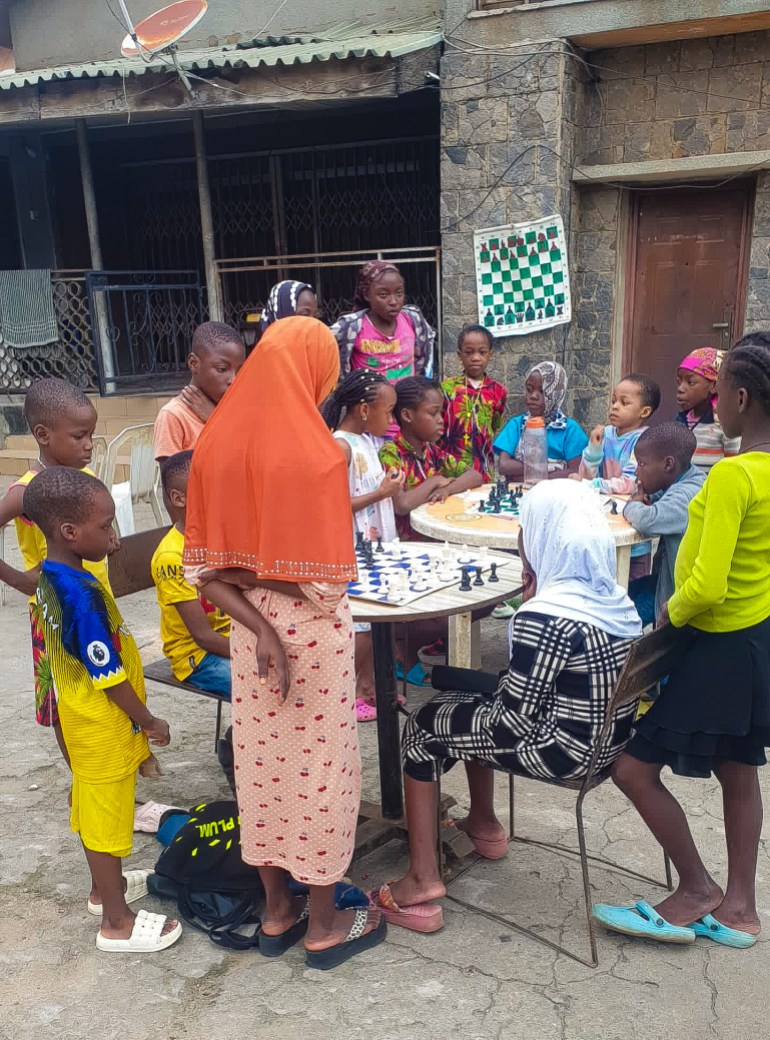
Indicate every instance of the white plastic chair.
{"type": "Point", "coordinates": [98, 455]}
{"type": "Point", "coordinates": [141, 464]}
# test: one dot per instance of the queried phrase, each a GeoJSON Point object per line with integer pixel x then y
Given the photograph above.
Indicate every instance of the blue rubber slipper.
{"type": "Point", "coordinates": [642, 921]}
{"type": "Point", "coordinates": [707, 927]}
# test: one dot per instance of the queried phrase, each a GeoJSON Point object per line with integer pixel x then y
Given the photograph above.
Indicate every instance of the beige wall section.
{"type": "Point", "coordinates": [61, 32]}
{"type": "Point", "coordinates": [114, 415]}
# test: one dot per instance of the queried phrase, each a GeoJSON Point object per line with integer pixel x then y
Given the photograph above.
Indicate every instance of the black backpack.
{"type": "Point", "coordinates": [215, 891]}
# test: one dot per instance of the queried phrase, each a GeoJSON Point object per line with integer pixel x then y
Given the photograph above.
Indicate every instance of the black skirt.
{"type": "Point", "coordinates": [715, 706]}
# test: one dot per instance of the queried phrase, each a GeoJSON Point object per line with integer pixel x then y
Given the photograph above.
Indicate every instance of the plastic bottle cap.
{"type": "Point", "coordinates": [536, 421]}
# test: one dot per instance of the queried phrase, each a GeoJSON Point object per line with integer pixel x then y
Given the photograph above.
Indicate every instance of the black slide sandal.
{"type": "Point", "coordinates": [356, 942]}
{"type": "Point", "coordinates": [277, 945]}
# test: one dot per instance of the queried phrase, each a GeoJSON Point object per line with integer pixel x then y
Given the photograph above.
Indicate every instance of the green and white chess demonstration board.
{"type": "Point", "coordinates": [522, 277]}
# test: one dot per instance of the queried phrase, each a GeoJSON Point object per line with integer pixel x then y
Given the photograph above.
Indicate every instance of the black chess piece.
{"type": "Point", "coordinates": [496, 508]}
{"type": "Point", "coordinates": [502, 486]}
{"type": "Point", "coordinates": [493, 574]}
{"type": "Point", "coordinates": [379, 548]}
{"type": "Point", "coordinates": [465, 582]}
{"type": "Point", "coordinates": [359, 541]}
{"type": "Point", "coordinates": [478, 580]}
{"type": "Point", "coordinates": [482, 506]}
{"type": "Point", "coordinates": [613, 507]}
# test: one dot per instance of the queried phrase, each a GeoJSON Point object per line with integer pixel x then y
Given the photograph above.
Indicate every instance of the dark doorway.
{"type": "Point", "coordinates": [686, 279]}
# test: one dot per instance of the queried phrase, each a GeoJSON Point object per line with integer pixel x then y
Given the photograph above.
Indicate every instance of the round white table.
{"type": "Point", "coordinates": [458, 520]}
{"type": "Point", "coordinates": [462, 652]}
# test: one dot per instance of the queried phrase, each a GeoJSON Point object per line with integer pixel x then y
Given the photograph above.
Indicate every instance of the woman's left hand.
{"type": "Point", "coordinates": [270, 654]}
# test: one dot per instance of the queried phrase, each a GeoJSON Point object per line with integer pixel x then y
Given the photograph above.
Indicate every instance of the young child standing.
{"type": "Point", "coordinates": [384, 334]}
{"type": "Point", "coordinates": [697, 398]}
{"type": "Point", "coordinates": [667, 481]}
{"type": "Point", "coordinates": [359, 412]}
{"type": "Point", "coordinates": [430, 474]}
{"type": "Point", "coordinates": [713, 714]}
{"type": "Point", "coordinates": [98, 675]}
{"type": "Point", "coordinates": [545, 387]}
{"type": "Point", "coordinates": [62, 421]}
{"type": "Point", "coordinates": [608, 459]}
{"type": "Point", "coordinates": [195, 633]}
{"type": "Point", "coordinates": [474, 404]}
{"type": "Point", "coordinates": [214, 361]}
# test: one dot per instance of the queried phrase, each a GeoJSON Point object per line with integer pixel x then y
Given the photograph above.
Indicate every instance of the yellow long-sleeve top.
{"type": "Point", "coordinates": [722, 572]}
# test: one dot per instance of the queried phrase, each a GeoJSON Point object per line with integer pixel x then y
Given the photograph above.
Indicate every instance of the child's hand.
{"type": "Point", "coordinates": [439, 494]}
{"type": "Point", "coordinates": [392, 483]}
{"type": "Point", "coordinates": [597, 435]}
{"type": "Point", "coordinates": [197, 402]}
{"type": "Point", "coordinates": [158, 732]}
{"type": "Point", "coordinates": [270, 654]}
{"type": "Point", "coordinates": [640, 496]}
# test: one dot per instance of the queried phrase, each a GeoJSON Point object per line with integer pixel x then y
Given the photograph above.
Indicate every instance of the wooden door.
{"type": "Point", "coordinates": [686, 279]}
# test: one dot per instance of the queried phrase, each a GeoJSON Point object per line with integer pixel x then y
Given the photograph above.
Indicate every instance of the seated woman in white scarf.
{"type": "Point", "coordinates": [569, 641]}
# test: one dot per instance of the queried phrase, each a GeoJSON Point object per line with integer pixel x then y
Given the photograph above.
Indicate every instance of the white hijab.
{"type": "Point", "coordinates": [570, 547]}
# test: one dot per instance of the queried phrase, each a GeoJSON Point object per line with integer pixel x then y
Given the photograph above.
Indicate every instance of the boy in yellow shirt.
{"type": "Point", "coordinates": [62, 421]}
{"type": "Point", "coordinates": [196, 634]}
{"type": "Point", "coordinates": [104, 718]}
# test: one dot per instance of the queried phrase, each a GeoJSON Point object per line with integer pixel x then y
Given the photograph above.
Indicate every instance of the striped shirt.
{"type": "Point", "coordinates": [711, 443]}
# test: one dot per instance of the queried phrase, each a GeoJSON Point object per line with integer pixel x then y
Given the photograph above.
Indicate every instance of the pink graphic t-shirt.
{"type": "Point", "coordinates": [391, 356]}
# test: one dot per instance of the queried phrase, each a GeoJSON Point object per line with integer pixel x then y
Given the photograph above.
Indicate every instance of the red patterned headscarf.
{"type": "Point", "coordinates": [368, 274]}
{"type": "Point", "coordinates": [704, 362]}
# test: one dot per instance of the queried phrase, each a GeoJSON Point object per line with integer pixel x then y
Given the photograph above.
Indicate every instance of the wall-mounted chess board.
{"type": "Point", "coordinates": [522, 277]}
{"type": "Point", "coordinates": [402, 572]}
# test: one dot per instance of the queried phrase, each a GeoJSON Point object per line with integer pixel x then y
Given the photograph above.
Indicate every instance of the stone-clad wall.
{"type": "Point", "coordinates": [507, 150]}
{"type": "Point", "coordinates": [671, 100]}
{"type": "Point", "coordinates": [658, 102]}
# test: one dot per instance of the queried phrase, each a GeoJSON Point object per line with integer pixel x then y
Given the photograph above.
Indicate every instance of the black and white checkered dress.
{"type": "Point", "coordinates": [546, 715]}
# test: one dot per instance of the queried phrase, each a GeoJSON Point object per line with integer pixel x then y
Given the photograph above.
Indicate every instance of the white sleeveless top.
{"type": "Point", "coordinates": [365, 474]}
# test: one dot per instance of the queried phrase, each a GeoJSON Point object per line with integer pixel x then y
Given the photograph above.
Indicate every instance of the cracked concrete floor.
{"type": "Point", "coordinates": [475, 978]}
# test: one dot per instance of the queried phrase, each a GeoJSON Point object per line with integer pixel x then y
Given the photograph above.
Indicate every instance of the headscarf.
{"type": "Point", "coordinates": [554, 391]}
{"type": "Point", "coordinates": [282, 302]}
{"type": "Point", "coordinates": [705, 362]}
{"type": "Point", "coordinates": [569, 544]}
{"type": "Point", "coordinates": [366, 276]}
{"type": "Point", "coordinates": [252, 503]}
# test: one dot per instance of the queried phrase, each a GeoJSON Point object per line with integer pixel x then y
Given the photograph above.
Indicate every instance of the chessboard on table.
{"type": "Point", "coordinates": [401, 572]}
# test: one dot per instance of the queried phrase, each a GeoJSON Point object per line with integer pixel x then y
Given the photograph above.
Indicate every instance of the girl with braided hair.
{"type": "Point", "coordinates": [359, 413]}
{"type": "Point", "coordinates": [383, 334]}
{"type": "Point", "coordinates": [713, 714]}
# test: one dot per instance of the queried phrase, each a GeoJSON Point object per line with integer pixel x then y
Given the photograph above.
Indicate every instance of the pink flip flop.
{"type": "Point", "coordinates": [497, 849]}
{"type": "Point", "coordinates": [365, 712]}
{"type": "Point", "coordinates": [421, 917]}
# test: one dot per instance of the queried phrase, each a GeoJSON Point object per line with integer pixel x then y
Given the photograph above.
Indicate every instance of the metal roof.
{"type": "Point", "coordinates": [269, 51]}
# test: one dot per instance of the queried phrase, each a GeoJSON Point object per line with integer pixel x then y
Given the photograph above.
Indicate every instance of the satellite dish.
{"type": "Point", "coordinates": [161, 30]}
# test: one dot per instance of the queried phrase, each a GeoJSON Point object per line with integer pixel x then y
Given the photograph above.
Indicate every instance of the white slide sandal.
{"type": "Point", "coordinates": [145, 936]}
{"type": "Point", "coordinates": [136, 888]}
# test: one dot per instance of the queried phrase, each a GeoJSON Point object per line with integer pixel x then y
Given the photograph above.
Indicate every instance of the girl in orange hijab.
{"type": "Point", "coordinates": [269, 521]}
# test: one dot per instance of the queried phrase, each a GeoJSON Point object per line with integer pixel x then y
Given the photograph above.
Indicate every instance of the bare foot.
{"type": "Point", "coordinates": [150, 768]}
{"type": "Point", "coordinates": [317, 939]}
{"type": "Point", "coordinates": [122, 926]}
{"type": "Point", "coordinates": [683, 907]}
{"type": "Point", "coordinates": [410, 890]}
{"type": "Point", "coordinates": [744, 919]}
{"type": "Point", "coordinates": [486, 829]}
{"type": "Point", "coordinates": [282, 919]}
{"type": "Point", "coordinates": [365, 688]}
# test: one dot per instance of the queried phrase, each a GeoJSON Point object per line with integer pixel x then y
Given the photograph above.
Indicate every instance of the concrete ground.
{"type": "Point", "coordinates": [476, 979]}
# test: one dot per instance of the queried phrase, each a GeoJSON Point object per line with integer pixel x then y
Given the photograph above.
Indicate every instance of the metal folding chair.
{"type": "Point", "coordinates": [141, 464]}
{"type": "Point", "coordinates": [650, 659]}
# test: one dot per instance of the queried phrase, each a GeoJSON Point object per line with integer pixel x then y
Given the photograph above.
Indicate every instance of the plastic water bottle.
{"type": "Point", "coordinates": [534, 451]}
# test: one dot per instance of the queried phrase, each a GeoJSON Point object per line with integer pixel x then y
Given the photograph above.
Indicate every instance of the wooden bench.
{"type": "Point", "coordinates": [130, 572]}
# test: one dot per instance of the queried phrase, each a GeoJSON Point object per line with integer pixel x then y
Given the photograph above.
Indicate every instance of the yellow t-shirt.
{"type": "Point", "coordinates": [90, 649]}
{"type": "Point", "coordinates": [721, 574]}
{"type": "Point", "coordinates": [178, 645]}
{"type": "Point", "coordinates": [32, 543]}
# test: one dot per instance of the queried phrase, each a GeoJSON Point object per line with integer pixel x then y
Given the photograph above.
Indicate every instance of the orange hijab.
{"type": "Point", "coordinates": [268, 488]}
